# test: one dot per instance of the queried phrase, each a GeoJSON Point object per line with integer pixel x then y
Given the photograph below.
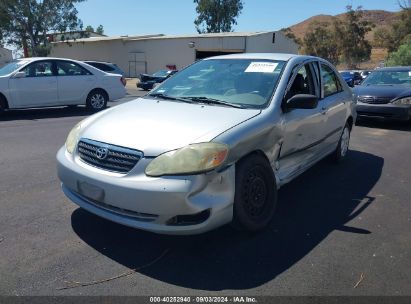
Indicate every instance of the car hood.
{"type": "Point", "coordinates": [157, 126]}
{"type": "Point", "coordinates": [382, 91]}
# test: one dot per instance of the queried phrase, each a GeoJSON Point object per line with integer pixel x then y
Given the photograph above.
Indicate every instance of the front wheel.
{"type": "Point", "coordinates": [255, 194]}
{"type": "Point", "coordinates": [3, 104]}
{"type": "Point", "coordinates": [97, 100]}
{"type": "Point", "coordinates": [342, 149]}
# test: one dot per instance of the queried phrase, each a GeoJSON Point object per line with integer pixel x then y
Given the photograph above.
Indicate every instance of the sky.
{"type": "Point", "coordinates": [173, 17]}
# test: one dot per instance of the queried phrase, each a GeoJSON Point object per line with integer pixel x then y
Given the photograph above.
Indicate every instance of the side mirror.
{"type": "Point", "coordinates": [20, 75]}
{"type": "Point", "coordinates": [302, 101]}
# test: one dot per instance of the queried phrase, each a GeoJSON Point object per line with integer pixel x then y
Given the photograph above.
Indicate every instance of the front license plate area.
{"type": "Point", "coordinates": [90, 191]}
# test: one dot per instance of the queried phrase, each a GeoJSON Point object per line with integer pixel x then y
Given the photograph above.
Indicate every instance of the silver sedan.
{"type": "Point", "coordinates": [209, 146]}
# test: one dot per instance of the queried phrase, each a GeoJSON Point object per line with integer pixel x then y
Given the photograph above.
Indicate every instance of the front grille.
{"type": "Point", "coordinates": [374, 100]}
{"type": "Point", "coordinates": [112, 158]}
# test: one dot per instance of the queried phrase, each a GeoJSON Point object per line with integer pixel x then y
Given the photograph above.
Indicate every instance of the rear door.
{"type": "Point", "coordinates": [334, 106]}
{"type": "Point", "coordinates": [303, 127]}
{"type": "Point", "coordinates": [38, 88]}
{"type": "Point", "coordinates": [74, 82]}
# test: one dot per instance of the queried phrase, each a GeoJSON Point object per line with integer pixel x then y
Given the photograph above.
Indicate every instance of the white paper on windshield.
{"type": "Point", "coordinates": [261, 67]}
{"type": "Point", "coordinates": [409, 73]}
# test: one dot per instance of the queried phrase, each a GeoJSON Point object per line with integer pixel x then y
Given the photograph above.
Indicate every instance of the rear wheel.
{"type": "Point", "coordinates": [255, 194]}
{"type": "Point", "coordinates": [97, 100]}
{"type": "Point", "coordinates": [342, 149]}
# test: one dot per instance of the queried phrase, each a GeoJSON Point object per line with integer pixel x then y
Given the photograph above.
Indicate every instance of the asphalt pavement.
{"type": "Point", "coordinates": [339, 229]}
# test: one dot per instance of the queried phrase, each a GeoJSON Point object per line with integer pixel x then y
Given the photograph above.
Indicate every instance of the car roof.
{"type": "Point", "coordinates": [30, 59]}
{"type": "Point", "coordinates": [262, 56]}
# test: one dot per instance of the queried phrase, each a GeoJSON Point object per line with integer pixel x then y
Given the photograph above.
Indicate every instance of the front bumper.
{"type": "Point", "coordinates": [390, 111]}
{"type": "Point", "coordinates": [145, 85]}
{"type": "Point", "coordinates": [147, 203]}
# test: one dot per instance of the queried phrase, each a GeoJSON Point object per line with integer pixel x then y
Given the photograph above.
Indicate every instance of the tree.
{"type": "Point", "coordinates": [89, 28]}
{"type": "Point", "coordinates": [401, 30]}
{"type": "Point", "coordinates": [26, 23]}
{"type": "Point", "coordinates": [354, 47]}
{"type": "Point", "coordinates": [402, 56]}
{"type": "Point", "coordinates": [382, 38]}
{"type": "Point", "coordinates": [320, 40]}
{"type": "Point", "coordinates": [100, 30]}
{"type": "Point", "coordinates": [215, 16]}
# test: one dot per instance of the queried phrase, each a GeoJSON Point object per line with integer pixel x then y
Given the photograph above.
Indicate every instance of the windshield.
{"type": "Point", "coordinates": [11, 67]}
{"type": "Point", "coordinates": [388, 78]}
{"type": "Point", "coordinates": [161, 73]}
{"type": "Point", "coordinates": [243, 82]}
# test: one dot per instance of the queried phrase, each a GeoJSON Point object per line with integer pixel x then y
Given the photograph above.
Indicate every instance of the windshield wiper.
{"type": "Point", "coordinates": [168, 97]}
{"type": "Point", "coordinates": [208, 100]}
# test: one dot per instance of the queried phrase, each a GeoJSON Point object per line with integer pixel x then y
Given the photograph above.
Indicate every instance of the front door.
{"type": "Point", "coordinates": [303, 127]}
{"type": "Point", "coordinates": [38, 88]}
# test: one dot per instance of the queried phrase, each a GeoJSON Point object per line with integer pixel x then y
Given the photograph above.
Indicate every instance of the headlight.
{"type": "Point", "coordinates": [73, 138]}
{"type": "Point", "coordinates": [403, 101]}
{"type": "Point", "coordinates": [192, 159]}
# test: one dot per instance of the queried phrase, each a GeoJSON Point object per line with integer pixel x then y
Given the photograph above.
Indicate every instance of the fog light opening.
{"type": "Point", "coordinates": [191, 219]}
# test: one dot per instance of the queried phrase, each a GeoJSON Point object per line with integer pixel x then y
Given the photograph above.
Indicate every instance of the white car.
{"type": "Point", "coordinates": [45, 82]}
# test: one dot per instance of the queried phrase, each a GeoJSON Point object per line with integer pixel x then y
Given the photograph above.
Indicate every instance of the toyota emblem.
{"type": "Point", "coordinates": [102, 153]}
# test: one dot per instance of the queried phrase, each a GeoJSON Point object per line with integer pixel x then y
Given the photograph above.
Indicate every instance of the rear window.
{"type": "Point", "coordinates": [101, 66]}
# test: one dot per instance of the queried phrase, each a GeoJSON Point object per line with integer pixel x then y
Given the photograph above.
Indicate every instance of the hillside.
{"type": "Point", "coordinates": [379, 17]}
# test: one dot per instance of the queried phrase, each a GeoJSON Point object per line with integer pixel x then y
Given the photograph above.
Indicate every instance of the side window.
{"type": "Point", "coordinates": [303, 82]}
{"type": "Point", "coordinates": [39, 69]}
{"type": "Point", "coordinates": [331, 83]}
{"type": "Point", "coordinates": [66, 68]}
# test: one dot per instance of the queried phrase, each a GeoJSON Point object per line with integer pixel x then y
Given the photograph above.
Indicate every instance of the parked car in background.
{"type": "Point", "coordinates": [386, 93]}
{"type": "Point", "coordinates": [108, 67]}
{"type": "Point", "coordinates": [147, 81]}
{"type": "Point", "coordinates": [352, 78]}
{"type": "Point", "coordinates": [44, 82]}
{"type": "Point", "coordinates": [200, 152]}
{"type": "Point", "coordinates": [364, 74]}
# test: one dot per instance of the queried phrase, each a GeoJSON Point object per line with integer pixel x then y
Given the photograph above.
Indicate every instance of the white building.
{"type": "Point", "coordinates": [149, 53]}
{"type": "Point", "coordinates": [6, 56]}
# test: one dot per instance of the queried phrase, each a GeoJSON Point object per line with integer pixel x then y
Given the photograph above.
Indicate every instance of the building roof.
{"type": "Point", "coordinates": [96, 39]}
{"type": "Point", "coordinates": [258, 56]}
{"type": "Point", "coordinates": [162, 36]}
{"type": "Point", "coordinates": [211, 35]}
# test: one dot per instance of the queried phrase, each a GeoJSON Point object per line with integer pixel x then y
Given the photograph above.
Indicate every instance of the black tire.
{"type": "Point", "coordinates": [255, 194]}
{"type": "Point", "coordinates": [342, 149]}
{"type": "Point", "coordinates": [97, 100]}
{"type": "Point", "coordinates": [3, 104]}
